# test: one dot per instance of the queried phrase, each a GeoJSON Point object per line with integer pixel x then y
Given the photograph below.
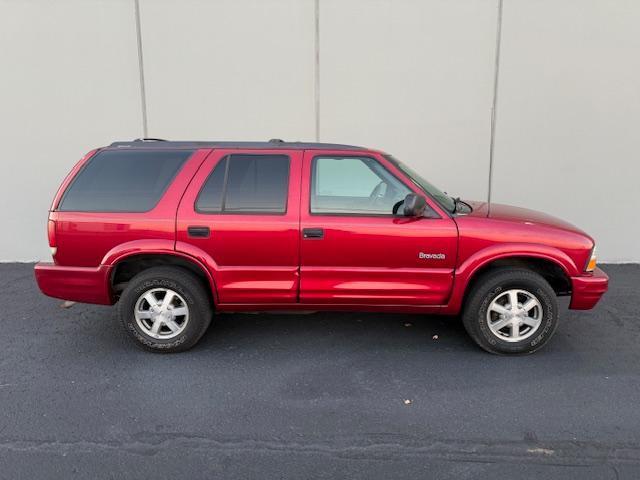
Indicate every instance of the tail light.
{"type": "Point", "coordinates": [51, 234]}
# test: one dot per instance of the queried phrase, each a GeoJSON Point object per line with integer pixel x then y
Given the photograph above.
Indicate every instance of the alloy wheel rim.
{"type": "Point", "coordinates": [161, 313]}
{"type": "Point", "coordinates": [514, 315]}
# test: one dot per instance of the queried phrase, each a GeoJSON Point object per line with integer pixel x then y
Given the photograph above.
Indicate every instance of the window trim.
{"type": "Point", "coordinates": [312, 173]}
{"type": "Point", "coordinates": [227, 158]}
{"type": "Point", "coordinates": [97, 154]}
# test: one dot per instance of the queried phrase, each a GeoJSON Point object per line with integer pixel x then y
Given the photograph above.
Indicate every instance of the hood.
{"type": "Point", "coordinates": [525, 216]}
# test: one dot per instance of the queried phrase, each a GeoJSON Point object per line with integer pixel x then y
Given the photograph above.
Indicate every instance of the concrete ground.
{"type": "Point", "coordinates": [316, 396]}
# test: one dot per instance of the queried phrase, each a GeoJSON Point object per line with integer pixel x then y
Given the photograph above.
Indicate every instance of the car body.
{"type": "Point", "coordinates": [297, 247]}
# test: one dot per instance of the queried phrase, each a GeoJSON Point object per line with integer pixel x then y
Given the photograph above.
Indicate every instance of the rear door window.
{"type": "Point", "coordinates": [123, 181]}
{"type": "Point", "coordinates": [245, 183]}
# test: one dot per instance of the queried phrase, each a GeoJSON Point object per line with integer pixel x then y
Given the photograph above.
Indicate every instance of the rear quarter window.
{"type": "Point", "coordinates": [123, 181]}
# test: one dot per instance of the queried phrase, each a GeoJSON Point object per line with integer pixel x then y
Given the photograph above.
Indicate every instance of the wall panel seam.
{"type": "Point", "coordinates": [316, 66]}
{"type": "Point", "coordinates": [494, 104]}
{"type": "Point", "coordinates": [143, 95]}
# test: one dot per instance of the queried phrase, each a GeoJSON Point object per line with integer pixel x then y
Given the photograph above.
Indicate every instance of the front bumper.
{"type": "Point", "coordinates": [78, 284]}
{"type": "Point", "coordinates": [587, 289]}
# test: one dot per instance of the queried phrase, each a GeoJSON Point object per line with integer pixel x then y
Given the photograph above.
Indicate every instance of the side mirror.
{"type": "Point", "coordinates": [414, 205]}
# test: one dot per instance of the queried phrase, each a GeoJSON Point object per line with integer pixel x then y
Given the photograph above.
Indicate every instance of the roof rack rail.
{"type": "Point", "coordinates": [276, 140]}
{"type": "Point", "coordinates": [154, 143]}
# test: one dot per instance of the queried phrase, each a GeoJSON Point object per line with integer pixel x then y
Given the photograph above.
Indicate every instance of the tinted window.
{"type": "Point", "coordinates": [123, 181]}
{"type": "Point", "coordinates": [344, 185]}
{"type": "Point", "coordinates": [254, 184]}
{"type": "Point", "coordinates": [210, 197]}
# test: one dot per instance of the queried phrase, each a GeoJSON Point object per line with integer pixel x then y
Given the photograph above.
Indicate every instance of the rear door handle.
{"type": "Point", "coordinates": [200, 232]}
{"type": "Point", "coordinates": [312, 233]}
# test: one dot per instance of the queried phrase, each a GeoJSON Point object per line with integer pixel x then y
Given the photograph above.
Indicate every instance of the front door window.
{"type": "Point", "coordinates": [353, 186]}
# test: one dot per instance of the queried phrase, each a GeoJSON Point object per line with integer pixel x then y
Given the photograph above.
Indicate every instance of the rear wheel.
{"type": "Point", "coordinates": [165, 309]}
{"type": "Point", "coordinates": [511, 311]}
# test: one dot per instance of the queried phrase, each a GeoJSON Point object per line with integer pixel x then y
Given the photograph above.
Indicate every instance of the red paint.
{"type": "Point", "coordinates": [262, 262]}
{"type": "Point", "coordinates": [79, 284]}
{"type": "Point", "coordinates": [254, 257]}
{"type": "Point", "coordinates": [85, 238]}
{"type": "Point", "coordinates": [588, 289]}
{"type": "Point", "coordinates": [374, 260]}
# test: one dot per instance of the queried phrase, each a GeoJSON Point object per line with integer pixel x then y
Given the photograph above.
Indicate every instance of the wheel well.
{"type": "Point", "coordinates": [549, 270]}
{"type": "Point", "coordinates": [131, 266]}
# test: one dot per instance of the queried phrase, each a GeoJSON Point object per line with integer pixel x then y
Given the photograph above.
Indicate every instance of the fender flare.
{"type": "Point", "coordinates": [189, 253]}
{"type": "Point", "coordinates": [467, 269]}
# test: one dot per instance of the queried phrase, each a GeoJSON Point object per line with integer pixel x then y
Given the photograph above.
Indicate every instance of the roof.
{"type": "Point", "coordinates": [274, 144]}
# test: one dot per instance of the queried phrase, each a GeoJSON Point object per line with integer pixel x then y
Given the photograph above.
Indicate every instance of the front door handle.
{"type": "Point", "coordinates": [199, 232]}
{"type": "Point", "coordinates": [312, 233]}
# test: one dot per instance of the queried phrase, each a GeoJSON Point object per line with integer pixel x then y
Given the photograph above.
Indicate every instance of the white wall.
{"type": "Point", "coordinates": [568, 125]}
{"type": "Point", "coordinates": [229, 69]}
{"type": "Point", "coordinates": [68, 82]}
{"type": "Point", "coordinates": [414, 78]}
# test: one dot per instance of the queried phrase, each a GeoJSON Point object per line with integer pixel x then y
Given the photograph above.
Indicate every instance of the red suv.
{"type": "Point", "coordinates": [172, 231]}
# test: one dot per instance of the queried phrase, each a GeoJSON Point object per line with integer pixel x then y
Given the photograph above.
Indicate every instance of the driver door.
{"type": "Point", "coordinates": [354, 250]}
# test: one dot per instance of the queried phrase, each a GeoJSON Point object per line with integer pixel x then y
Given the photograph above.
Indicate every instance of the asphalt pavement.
{"type": "Point", "coordinates": [323, 395]}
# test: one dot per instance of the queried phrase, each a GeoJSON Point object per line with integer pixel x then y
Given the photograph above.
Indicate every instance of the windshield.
{"type": "Point", "coordinates": [439, 196]}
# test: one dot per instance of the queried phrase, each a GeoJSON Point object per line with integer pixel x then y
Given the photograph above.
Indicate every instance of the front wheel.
{"type": "Point", "coordinates": [165, 309]}
{"type": "Point", "coordinates": [511, 311]}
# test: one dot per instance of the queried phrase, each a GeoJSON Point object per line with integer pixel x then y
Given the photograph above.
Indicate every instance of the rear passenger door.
{"type": "Point", "coordinates": [242, 210]}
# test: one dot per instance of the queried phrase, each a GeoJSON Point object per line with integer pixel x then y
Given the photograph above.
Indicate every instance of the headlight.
{"type": "Point", "coordinates": [591, 265]}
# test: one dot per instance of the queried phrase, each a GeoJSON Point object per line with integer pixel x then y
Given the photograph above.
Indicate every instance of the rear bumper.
{"type": "Point", "coordinates": [79, 284]}
{"type": "Point", "coordinates": [587, 289]}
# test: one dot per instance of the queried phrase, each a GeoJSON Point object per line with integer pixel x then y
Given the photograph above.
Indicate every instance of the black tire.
{"type": "Point", "coordinates": [495, 283]}
{"type": "Point", "coordinates": [188, 287]}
